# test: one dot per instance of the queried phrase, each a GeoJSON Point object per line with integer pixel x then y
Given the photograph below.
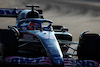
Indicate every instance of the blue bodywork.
{"type": "Point", "coordinates": [44, 34]}
{"type": "Point", "coordinates": [47, 39]}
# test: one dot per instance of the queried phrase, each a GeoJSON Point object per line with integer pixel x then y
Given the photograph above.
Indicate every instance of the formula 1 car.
{"type": "Point", "coordinates": [32, 36]}
{"type": "Point", "coordinates": [32, 40]}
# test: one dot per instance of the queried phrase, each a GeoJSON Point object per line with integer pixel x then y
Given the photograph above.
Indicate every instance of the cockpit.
{"type": "Point", "coordinates": [35, 24]}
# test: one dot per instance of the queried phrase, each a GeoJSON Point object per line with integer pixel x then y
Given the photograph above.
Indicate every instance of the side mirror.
{"type": "Point", "coordinates": [64, 29]}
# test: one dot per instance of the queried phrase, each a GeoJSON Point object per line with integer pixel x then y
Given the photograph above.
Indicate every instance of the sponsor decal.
{"type": "Point", "coordinates": [28, 36]}
{"type": "Point", "coordinates": [68, 61]}
{"type": "Point", "coordinates": [23, 60]}
{"type": "Point", "coordinates": [47, 37]}
{"type": "Point", "coordinates": [46, 60]}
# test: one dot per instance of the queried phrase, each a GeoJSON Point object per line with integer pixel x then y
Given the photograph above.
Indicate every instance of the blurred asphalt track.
{"type": "Point", "coordinates": [77, 15]}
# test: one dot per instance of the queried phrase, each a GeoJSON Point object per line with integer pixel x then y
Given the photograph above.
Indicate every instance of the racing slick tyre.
{"type": "Point", "coordinates": [89, 47]}
{"type": "Point", "coordinates": [1, 51]}
{"type": "Point", "coordinates": [8, 43]}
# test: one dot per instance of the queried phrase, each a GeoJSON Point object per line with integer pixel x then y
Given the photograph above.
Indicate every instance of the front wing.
{"type": "Point", "coordinates": [46, 61]}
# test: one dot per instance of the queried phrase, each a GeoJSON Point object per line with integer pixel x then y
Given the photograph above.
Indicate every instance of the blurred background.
{"type": "Point", "coordinates": [77, 15]}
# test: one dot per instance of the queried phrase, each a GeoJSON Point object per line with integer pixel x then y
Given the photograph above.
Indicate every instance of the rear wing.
{"type": "Point", "coordinates": [6, 12]}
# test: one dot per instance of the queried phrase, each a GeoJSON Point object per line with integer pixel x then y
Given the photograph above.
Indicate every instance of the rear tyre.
{"type": "Point", "coordinates": [89, 47]}
{"type": "Point", "coordinates": [8, 43]}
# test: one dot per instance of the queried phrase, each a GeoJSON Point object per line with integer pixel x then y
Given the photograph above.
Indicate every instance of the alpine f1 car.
{"type": "Point", "coordinates": [34, 40]}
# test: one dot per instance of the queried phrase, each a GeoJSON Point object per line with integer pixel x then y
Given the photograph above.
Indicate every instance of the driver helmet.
{"type": "Point", "coordinates": [33, 26]}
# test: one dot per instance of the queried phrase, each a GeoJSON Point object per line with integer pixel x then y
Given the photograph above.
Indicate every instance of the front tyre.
{"type": "Point", "coordinates": [8, 43]}
{"type": "Point", "coordinates": [1, 52]}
